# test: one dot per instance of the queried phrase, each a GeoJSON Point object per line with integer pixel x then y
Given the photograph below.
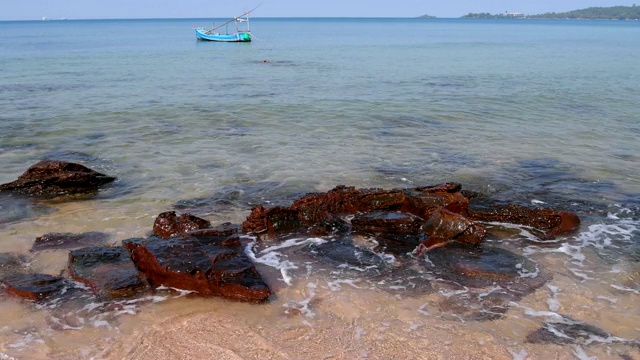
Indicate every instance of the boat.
{"type": "Point", "coordinates": [240, 35]}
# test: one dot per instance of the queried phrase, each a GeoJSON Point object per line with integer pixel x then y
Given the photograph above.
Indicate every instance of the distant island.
{"type": "Point", "coordinates": [425, 16]}
{"type": "Point", "coordinates": [593, 13]}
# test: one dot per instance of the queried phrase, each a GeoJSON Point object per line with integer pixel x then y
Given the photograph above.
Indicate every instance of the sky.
{"type": "Point", "coordinates": [126, 9]}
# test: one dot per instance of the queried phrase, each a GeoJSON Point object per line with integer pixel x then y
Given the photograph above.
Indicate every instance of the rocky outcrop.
{"type": "Point", "coordinates": [55, 178]}
{"type": "Point", "coordinates": [207, 266]}
{"type": "Point", "coordinates": [108, 271]}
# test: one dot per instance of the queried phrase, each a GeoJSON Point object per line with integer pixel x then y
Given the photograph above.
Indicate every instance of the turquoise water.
{"type": "Point", "coordinates": [523, 110]}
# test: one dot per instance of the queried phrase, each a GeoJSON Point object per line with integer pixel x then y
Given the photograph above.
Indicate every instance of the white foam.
{"type": "Point", "coordinates": [422, 310]}
{"type": "Point", "coordinates": [294, 242]}
{"type": "Point", "coordinates": [552, 302]}
{"type": "Point", "coordinates": [537, 202]}
{"type": "Point", "coordinates": [624, 288]}
{"type": "Point", "coordinates": [447, 293]}
{"type": "Point", "coordinates": [490, 291]}
{"type": "Point", "coordinates": [335, 285]}
{"type": "Point", "coordinates": [520, 355]}
{"type": "Point", "coordinates": [303, 306]}
{"type": "Point", "coordinates": [579, 352]}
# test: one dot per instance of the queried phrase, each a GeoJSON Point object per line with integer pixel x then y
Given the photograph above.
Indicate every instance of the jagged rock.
{"type": "Point", "coordinates": [444, 225]}
{"type": "Point", "coordinates": [201, 265]}
{"type": "Point", "coordinates": [331, 225]}
{"type": "Point", "coordinates": [67, 241]}
{"type": "Point", "coordinates": [107, 270]}
{"type": "Point", "coordinates": [346, 200]}
{"type": "Point", "coordinates": [52, 178]}
{"type": "Point", "coordinates": [169, 224]}
{"type": "Point", "coordinates": [33, 286]}
{"type": "Point", "coordinates": [395, 231]}
{"type": "Point", "coordinates": [552, 223]}
{"type": "Point", "coordinates": [422, 201]}
{"type": "Point", "coordinates": [226, 229]}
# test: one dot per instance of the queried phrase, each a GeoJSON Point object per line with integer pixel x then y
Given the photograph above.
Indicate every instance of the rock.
{"type": "Point", "coordinates": [395, 231]}
{"type": "Point", "coordinates": [331, 225]}
{"type": "Point", "coordinates": [344, 200]}
{"type": "Point", "coordinates": [11, 263]}
{"type": "Point", "coordinates": [226, 229]}
{"type": "Point", "coordinates": [53, 178]}
{"type": "Point", "coordinates": [422, 201]}
{"type": "Point", "coordinates": [444, 225]}
{"type": "Point", "coordinates": [551, 222]}
{"type": "Point", "coordinates": [67, 241]}
{"type": "Point", "coordinates": [479, 266]}
{"type": "Point", "coordinates": [342, 251]}
{"type": "Point", "coordinates": [207, 268]}
{"type": "Point", "coordinates": [168, 224]}
{"type": "Point", "coordinates": [107, 270]}
{"type": "Point", "coordinates": [33, 286]}
{"type": "Point", "coordinates": [568, 331]}
{"type": "Point", "coordinates": [256, 221]}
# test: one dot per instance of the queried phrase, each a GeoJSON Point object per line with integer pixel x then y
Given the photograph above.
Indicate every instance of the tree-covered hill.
{"type": "Point", "coordinates": [593, 13]}
{"type": "Point", "coordinates": [596, 13]}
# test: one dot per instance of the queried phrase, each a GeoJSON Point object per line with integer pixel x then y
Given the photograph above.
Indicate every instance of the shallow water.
{"type": "Point", "coordinates": [538, 113]}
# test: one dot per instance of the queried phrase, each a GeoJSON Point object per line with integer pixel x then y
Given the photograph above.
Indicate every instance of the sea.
{"type": "Point", "coordinates": [540, 113]}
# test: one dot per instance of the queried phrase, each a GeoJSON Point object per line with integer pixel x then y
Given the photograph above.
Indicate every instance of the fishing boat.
{"type": "Point", "coordinates": [241, 33]}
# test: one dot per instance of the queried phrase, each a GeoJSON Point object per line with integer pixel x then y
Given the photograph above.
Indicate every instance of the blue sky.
{"type": "Point", "coordinates": [108, 9]}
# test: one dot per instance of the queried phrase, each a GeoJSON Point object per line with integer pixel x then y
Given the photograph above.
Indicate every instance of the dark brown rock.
{"type": "Point", "coordinates": [256, 221]}
{"type": "Point", "coordinates": [568, 331]}
{"type": "Point", "coordinates": [67, 241]}
{"type": "Point", "coordinates": [342, 251]}
{"type": "Point", "coordinates": [208, 269]}
{"type": "Point", "coordinates": [551, 222]}
{"type": "Point", "coordinates": [395, 231]}
{"type": "Point", "coordinates": [344, 200]}
{"type": "Point", "coordinates": [331, 225]}
{"type": "Point", "coordinates": [444, 225]}
{"type": "Point", "coordinates": [422, 201]}
{"type": "Point", "coordinates": [387, 222]}
{"type": "Point", "coordinates": [107, 270]}
{"type": "Point", "coordinates": [479, 266]}
{"type": "Point", "coordinates": [226, 229]}
{"type": "Point", "coordinates": [53, 178]}
{"type": "Point", "coordinates": [33, 286]}
{"type": "Point", "coordinates": [168, 224]}
{"type": "Point", "coordinates": [282, 219]}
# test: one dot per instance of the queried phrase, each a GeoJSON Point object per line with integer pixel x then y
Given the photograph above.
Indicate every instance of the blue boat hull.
{"type": "Point", "coordinates": [201, 34]}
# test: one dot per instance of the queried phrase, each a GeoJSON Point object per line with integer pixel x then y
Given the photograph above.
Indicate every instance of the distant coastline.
{"type": "Point", "coordinates": [592, 13]}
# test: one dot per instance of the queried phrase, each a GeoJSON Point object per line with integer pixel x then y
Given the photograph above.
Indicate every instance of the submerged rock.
{"type": "Point", "coordinates": [53, 178]}
{"type": "Point", "coordinates": [11, 263]}
{"type": "Point", "coordinates": [67, 241]}
{"type": "Point", "coordinates": [343, 252]}
{"type": "Point", "coordinates": [396, 232]}
{"type": "Point", "coordinates": [552, 223]}
{"type": "Point", "coordinates": [481, 266]}
{"type": "Point", "coordinates": [33, 286]}
{"type": "Point", "coordinates": [107, 270]}
{"type": "Point", "coordinates": [566, 330]}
